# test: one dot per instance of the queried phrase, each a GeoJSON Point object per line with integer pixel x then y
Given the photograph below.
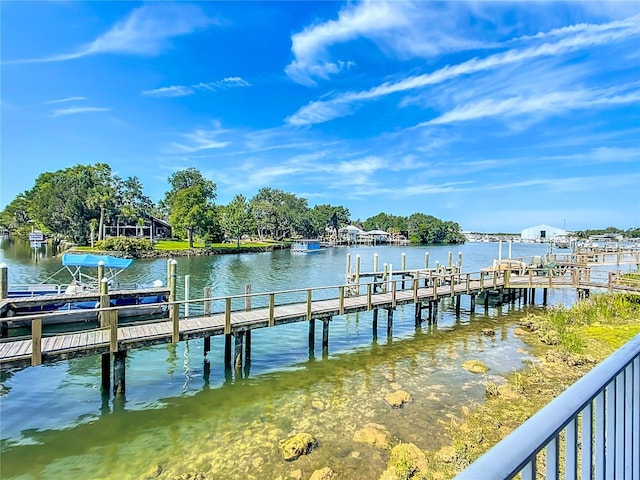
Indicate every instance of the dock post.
{"type": "Point", "coordinates": [104, 322]}
{"type": "Point", "coordinates": [357, 279]}
{"type": "Point", "coordinates": [533, 296]}
{"type": "Point", "coordinates": [4, 281]}
{"type": "Point", "coordinates": [418, 314]}
{"type": "Point", "coordinates": [247, 352]}
{"type": "Point", "coordinates": [450, 259]}
{"type": "Point", "coordinates": [237, 357]}
{"type": "Point", "coordinates": [119, 383]}
{"type": "Point", "coordinates": [435, 312]}
{"type": "Point", "coordinates": [486, 301]}
{"type": "Point", "coordinates": [457, 305]}
{"type": "Point", "coordinates": [524, 295]}
{"type": "Point", "coordinates": [174, 310]}
{"type": "Point", "coordinates": [187, 281]}
{"type": "Point", "coordinates": [207, 301]}
{"type": "Point", "coordinates": [100, 272]}
{"type": "Point", "coordinates": [207, 312]}
{"type": "Point", "coordinates": [403, 262]}
{"type": "Point", "coordinates": [389, 322]}
{"type": "Point", "coordinates": [312, 337]}
{"type": "Point", "coordinates": [473, 303]}
{"type": "Point", "coordinates": [227, 352]}
{"type": "Point", "coordinates": [36, 342]}
{"type": "Point", "coordinates": [545, 292]}
{"type": "Point", "coordinates": [247, 298]}
{"type": "Point", "coordinates": [348, 267]}
{"type": "Point", "coordinates": [375, 262]}
{"type": "Point", "coordinates": [426, 260]}
{"type": "Point", "coordinates": [374, 324]}
{"type": "Point", "coordinates": [325, 337]}
{"type": "Point", "coordinates": [459, 262]}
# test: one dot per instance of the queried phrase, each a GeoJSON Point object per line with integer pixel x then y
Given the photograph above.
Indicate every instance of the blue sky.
{"type": "Point", "coordinates": [498, 116]}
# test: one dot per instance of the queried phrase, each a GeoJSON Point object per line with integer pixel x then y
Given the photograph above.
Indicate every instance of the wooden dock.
{"type": "Point", "coordinates": [372, 291]}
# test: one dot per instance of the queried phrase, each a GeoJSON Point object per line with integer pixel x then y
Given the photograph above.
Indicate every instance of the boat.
{"type": "Point", "coordinates": [562, 241]}
{"type": "Point", "coordinates": [305, 245]}
{"type": "Point", "coordinates": [84, 281]}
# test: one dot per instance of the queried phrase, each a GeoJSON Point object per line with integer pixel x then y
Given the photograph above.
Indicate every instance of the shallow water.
{"type": "Point", "coordinates": [182, 413]}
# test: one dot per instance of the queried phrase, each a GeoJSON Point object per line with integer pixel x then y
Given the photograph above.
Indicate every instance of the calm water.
{"type": "Point", "coordinates": [182, 414]}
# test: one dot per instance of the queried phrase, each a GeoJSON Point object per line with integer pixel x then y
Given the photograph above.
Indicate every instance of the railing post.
{"type": "Point", "coordinates": [468, 283]}
{"type": "Point", "coordinates": [416, 280]}
{"type": "Point", "coordinates": [309, 303]}
{"type": "Point", "coordinates": [187, 281]}
{"type": "Point", "coordinates": [113, 326]}
{"type": "Point", "coordinates": [426, 260]}
{"type": "Point", "coordinates": [227, 316]}
{"type": "Point", "coordinates": [507, 278]}
{"type": "Point", "coordinates": [247, 298]}
{"type": "Point", "coordinates": [36, 342]}
{"type": "Point", "coordinates": [369, 289]}
{"type": "Point", "coordinates": [207, 302]}
{"type": "Point", "coordinates": [482, 281]}
{"type": "Point", "coordinates": [393, 294]}
{"type": "Point", "coordinates": [341, 300]}
{"type": "Point", "coordinates": [375, 263]}
{"type": "Point", "coordinates": [272, 307]}
{"type": "Point", "coordinates": [357, 279]}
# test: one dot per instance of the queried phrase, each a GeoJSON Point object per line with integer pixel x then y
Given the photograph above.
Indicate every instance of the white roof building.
{"type": "Point", "coordinates": [541, 233]}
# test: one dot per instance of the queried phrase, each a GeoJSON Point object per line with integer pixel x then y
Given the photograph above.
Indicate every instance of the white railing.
{"type": "Point", "coordinates": [596, 421]}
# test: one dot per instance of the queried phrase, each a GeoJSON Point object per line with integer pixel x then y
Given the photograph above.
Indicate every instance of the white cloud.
{"type": "Point", "coordinates": [400, 29]}
{"type": "Point", "coordinates": [146, 31]}
{"type": "Point", "coordinates": [551, 103]}
{"type": "Point", "coordinates": [74, 110]}
{"type": "Point", "coordinates": [185, 90]}
{"type": "Point", "coordinates": [64, 100]}
{"type": "Point", "coordinates": [345, 104]}
{"type": "Point", "coordinates": [169, 92]}
{"type": "Point", "coordinates": [200, 140]}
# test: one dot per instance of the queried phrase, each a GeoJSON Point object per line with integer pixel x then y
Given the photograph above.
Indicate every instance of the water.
{"type": "Point", "coordinates": [183, 414]}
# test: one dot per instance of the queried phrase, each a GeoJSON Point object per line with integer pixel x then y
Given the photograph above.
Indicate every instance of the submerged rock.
{"type": "Point", "coordinates": [398, 398]}
{"type": "Point", "coordinates": [373, 434]}
{"type": "Point", "coordinates": [324, 474]}
{"type": "Point", "coordinates": [406, 462]}
{"type": "Point", "coordinates": [488, 332]}
{"type": "Point", "coordinates": [475, 366]}
{"type": "Point", "coordinates": [299, 444]}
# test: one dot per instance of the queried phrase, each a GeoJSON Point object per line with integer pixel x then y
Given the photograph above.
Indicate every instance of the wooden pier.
{"type": "Point", "coordinates": [241, 314]}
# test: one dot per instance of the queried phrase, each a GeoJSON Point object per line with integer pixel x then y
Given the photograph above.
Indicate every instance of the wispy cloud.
{"type": "Point", "coordinates": [551, 103]}
{"type": "Point", "coordinates": [75, 110]}
{"type": "Point", "coordinates": [64, 100]}
{"type": "Point", "coordinates": [347, 103]}
{"type": "Point", "coordinates": [201, 139]}
{"type": "Point", "coordinates": [400, 29]}
{"type": "Point", "coordinates": [185, 90]}
{"type": "Point", "coordinates": [146, 31]}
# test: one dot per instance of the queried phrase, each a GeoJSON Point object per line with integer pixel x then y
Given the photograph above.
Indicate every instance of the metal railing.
{"type": "Point", "coordinates": [596, 420]}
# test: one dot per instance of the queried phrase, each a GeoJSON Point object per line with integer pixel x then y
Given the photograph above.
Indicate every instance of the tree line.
{"type": "Point", "coordinates": [76, 203]}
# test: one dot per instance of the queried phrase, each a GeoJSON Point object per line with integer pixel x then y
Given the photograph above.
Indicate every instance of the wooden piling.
{"type": "Point", "coordinates": [207, 301]}
{"type": "Point", "coordinates": [312, 336]}
{"type": "Point", "coordinates": [460, 262]}
{"type": "Point", "coordinates": [100, 272]}
{"type": "Point", "coordinates": [533, 296]}
{"type": "Point", "coordinates": [247, 298]}
{"type": "Point", "coordinates": [247, 348]}
{"type": "Point", "coordinates": [36, 342]}
{"type": "Point", "coordinates": [105, 359]}
{"type": "Point", "coordinates": [113, 327]}
{"type": "Point", "coordinates": [418, 314]}
{"type": "Point", "coordinates": [174, 309]}
{"type": "Point", "coordinates": [457, 305]}
{"type": "Point", "coordinates": [473, 303]}
{"type": "Point", "coordinates": [227, 351]}
{"type": "Point", "coordinates": [374, 323]}
{"type": "Point", "coordinates": [119, 377]}
{"type": "Point", "coordinates": [237, 357]}
{"type": "Point", "coordinates": [389, 322]}
{"type": "Point", "coordinates": [545, 293]}
{"type": "Point", "coordinates": [325, 335]}
{"type": "Point", "coordinates": [207, 344]}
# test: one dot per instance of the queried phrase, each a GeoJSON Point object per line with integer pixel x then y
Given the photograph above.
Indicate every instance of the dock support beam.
{"type": "Point", "coordinates": [533, 296]}
{"type": "Point", "coordinates": [104, 323]}
{"type": "Point", "coordinates": [237, 356]}
{"type": "Point", "coordinates": [374, 324]}
{"type": "Point", "coordinates": [473, 303]}
{"type": "Point", "coordinates": [545, 293]}
{"type": "Point", "coordinates": [457, 305]}
{"type": "Point", "coordinates": [227, 351]}
{"type": "Point", "coordinates": [418, 314]}
{"type": "Point", "coordinates": [207, 344]}
{"type": "Point", "coordinates": [325, 337]}
{"type": "Point", "coordinates": [247, 352]}
{"type": "Point", "coordinates": [312, 337]}
{"type": "Point", "coordinates": [119, 383]}
{"type": "Point", "coordinates": [389, 322]}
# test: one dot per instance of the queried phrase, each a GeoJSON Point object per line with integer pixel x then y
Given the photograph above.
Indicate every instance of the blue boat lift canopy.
{"type": "Point", "coordinates": [91, 260]}
{"type": "Point", "coordinates": [112, 267]}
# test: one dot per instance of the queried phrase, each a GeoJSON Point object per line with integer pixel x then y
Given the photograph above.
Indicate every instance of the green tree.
{"type": "Point", "coordinates": [277, 213]}
{"type": "Point", "coordinates": [15, 217]}
{"type": "Point", "coordinates": [320, 217]}
{"type": "Point", "coordinates": [237, 219]}
{"type": "Point", "coordinates": [190, 203]}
